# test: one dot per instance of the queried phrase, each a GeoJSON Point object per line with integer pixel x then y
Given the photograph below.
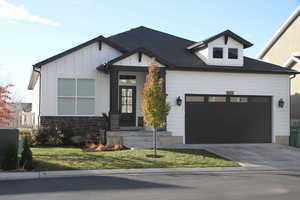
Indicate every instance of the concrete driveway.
{"type": "Point", "coordinates": [266, 156]}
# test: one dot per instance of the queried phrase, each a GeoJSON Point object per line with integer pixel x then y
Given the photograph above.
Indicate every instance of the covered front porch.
{"type": "Point", "coordinates": [126, 87]}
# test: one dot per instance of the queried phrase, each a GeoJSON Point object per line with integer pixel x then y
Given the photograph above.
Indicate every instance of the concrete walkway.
{"type": "Point", "coordinates": [267, 156]}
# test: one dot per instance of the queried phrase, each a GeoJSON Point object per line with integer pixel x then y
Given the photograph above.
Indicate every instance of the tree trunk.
{"type": "Point", "coordinates": [154, 140]}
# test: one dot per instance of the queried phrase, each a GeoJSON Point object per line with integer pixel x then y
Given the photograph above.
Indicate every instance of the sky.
{"type": "Point", "coordinates": [33, 30]}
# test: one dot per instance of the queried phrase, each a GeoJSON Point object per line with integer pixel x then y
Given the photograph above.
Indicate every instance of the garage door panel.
{"type": "Point", "coordinates": [209, 122]}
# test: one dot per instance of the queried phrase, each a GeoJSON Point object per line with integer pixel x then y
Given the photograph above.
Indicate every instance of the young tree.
{"type": "Point", "coordinates": [154, 106]}
{"type": "Point", "coordinates": [5, 110]}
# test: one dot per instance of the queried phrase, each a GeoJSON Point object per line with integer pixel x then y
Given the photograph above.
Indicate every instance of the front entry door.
{"type": "Point", "coordinates": [127, 105]}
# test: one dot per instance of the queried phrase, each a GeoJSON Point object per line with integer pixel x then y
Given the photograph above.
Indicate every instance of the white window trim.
{"type": "Point", "coordinates": [76, 97]}
{"type": "Point", "coordinates": [223, 52]}
{"type": "Point", "coordinates": [228, 53]}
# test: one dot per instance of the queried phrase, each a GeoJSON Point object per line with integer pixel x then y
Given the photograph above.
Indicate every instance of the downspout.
{"type": "Point", "coordinates": [40, 82]}
{"type": "Point", "coordinates": [292, 77]}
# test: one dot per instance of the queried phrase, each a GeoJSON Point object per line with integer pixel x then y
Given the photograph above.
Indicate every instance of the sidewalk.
{"type": "Point", "coordinates": [76, 173]}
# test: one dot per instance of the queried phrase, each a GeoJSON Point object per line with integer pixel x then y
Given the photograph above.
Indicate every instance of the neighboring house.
{"type": "Point", "coordinates": [22, 116]}
{"type": "Point", "coordinates": [226, 97]}
{"type": "Point", "coordinates": [284, 49]}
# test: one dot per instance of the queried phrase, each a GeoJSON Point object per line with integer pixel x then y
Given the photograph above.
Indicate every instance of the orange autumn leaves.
{"type": "Point", "coordinates": [154, 106]}
{"type": "Point", "coordinates": [5, 111]}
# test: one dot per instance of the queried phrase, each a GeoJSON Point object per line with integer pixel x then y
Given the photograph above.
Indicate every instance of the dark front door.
{"type": "Point", "coordinates": [127, 105]}
{"type": "Point", "coordinates": [228, 119]}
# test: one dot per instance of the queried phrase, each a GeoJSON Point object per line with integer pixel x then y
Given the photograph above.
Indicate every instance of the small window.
{"type": "Point", "coordinates": [217, 52]}
{"type": "Point", "coordinates": [195, 99]}
{"type": "Point", "coordinates": [216, 99]}
{"type": "Point", "coordinates": [238, 99]}
{"type": "Point", "coordinates": [75, 96]}
{"type": "Point", "coordinates": [127, 80]}
{"type": "Point", "coordinates": [233, 53]}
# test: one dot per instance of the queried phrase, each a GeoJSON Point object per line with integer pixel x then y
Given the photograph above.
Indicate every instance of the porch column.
{"type": "Point", "coordinates": [162, 74]}
{"type": "Point", "coordinates": [114, 95]}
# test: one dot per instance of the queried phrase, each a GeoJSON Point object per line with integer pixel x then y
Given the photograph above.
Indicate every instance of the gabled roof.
{"type": "Point", "coordinates": [169, 47]}
{"type": "Point", "coordinates": [279, 33]}
{"type": "Point", "coordinates": [140, 50]}
{"type": "Point", "coordinates": [97, 39]}
{"type": "Point", "coordinates": [227, 34]}
{"type": "Point", "coordinates": [172, 51]}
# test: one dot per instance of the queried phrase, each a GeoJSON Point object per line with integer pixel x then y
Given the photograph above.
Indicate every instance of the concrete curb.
{"type": "Point", "coordinates": [77, 173]}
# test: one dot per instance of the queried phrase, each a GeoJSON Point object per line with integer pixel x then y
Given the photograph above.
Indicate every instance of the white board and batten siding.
{"type": "Point", "coordinates": [179, 83]}
{"type": "Point", "coordinates": [36, 102]}
{"type": "Point", "coordinates": [133, 60]}
{"type": "Point", "coordinates": [79, 64]}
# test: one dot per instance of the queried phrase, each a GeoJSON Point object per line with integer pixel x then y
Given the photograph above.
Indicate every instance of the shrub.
{"type": "Point", "coordinates": [26, 159]}
{"type": "Point", "coordinates": [47, 137]}
{"type": "Point", "coordinates": [25, 133]}
{"type": "Point", "coordinates": [40, 137]}
{"type": "Point", "coordinates": [11, 158]}
{"type": "Point", "coordinates": [67, 134]}
{"type": "Point", "coordinates": [91, 138]}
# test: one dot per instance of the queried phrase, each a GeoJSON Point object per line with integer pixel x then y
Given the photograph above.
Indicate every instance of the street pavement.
{"type": "Point", "coordinates": [233, 185]}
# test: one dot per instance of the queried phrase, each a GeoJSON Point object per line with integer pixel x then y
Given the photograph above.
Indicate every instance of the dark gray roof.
{"type": "Point", "coordinates": [172, 49]}
{"type": "Point", "coordinates": [168, 47]}
{"type": "Point", "coordinates": [227, 33]}
{"type": "Point", "coordinates": [298, 57]}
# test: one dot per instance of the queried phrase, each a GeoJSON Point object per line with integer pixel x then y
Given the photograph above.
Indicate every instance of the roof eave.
{"type": "Point", "coordinates": [279, 32]}
{"type": "Point", "coordinates": [97, 39]}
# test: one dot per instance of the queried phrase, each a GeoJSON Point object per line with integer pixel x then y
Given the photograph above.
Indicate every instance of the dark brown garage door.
{"type": "Point", "coordinates": [227, 119]}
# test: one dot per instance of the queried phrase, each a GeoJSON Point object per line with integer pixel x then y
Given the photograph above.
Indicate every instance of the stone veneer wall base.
{"type": "Point", "coordinates": [80, 125]}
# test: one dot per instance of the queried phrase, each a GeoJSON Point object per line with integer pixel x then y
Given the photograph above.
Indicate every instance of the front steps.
{"type": "Point", "coordinates": [144, 138]}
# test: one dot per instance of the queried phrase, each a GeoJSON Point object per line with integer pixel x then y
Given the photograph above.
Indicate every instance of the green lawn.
{"type": "Point", "coordinates": [75, 158]}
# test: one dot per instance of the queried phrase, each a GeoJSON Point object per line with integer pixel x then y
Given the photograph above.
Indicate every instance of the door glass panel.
{"type": "Point", "coordinates": [124, 110]}
{"type": "Point", "coordinates": [129, 100]}
{"type": "Point", "coordinates": [123, 92]}
{"type": "Point", "coordinates": [129, 108]}
{"type": "Point", "coordinates": [123, 100]}
{"type": "Point", "coordinates": [129, 92]}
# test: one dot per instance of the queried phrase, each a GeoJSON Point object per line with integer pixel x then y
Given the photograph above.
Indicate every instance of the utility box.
{"type": "Point", "coordinates": [8, 138]}
{"type": "Point", "coordinates": [294, 136]}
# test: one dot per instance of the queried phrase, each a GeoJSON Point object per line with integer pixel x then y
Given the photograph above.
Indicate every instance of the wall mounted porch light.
{"type": "Point", "coordinates": [178, 101]}
{"type": "Point", "coordinates": [280, 103]}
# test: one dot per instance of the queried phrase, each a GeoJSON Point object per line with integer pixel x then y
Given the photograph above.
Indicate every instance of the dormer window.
{"type": "Point", "coordinates": [232, 53]}
{"type": "Point", "coordinates": [217, 52]}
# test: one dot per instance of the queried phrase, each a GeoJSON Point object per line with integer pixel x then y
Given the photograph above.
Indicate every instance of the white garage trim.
{"type": "Point", "coordinates": [179, 83]}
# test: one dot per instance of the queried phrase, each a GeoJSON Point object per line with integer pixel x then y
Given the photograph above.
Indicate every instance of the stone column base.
{"type": "Point", "coordinates": [114, 121]}
{"type": "Point", "coordinates": [282, 140]}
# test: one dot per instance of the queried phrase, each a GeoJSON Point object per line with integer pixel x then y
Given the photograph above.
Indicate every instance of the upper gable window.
{"type": "Point", "coordinates": [233, 53]}
{"type": "Point", "coordinates": [217, 52]}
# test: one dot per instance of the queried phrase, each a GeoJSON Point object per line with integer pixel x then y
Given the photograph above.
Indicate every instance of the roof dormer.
{"type": "Point", "coordinates": [224, 49]}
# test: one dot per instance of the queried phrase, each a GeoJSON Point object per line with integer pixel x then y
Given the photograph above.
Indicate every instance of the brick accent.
{"type": "Point", "coordinates": [79, 125]}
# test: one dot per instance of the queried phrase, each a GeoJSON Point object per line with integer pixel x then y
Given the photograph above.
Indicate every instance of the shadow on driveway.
{"type": "Point", "coordinates": [89, 183]}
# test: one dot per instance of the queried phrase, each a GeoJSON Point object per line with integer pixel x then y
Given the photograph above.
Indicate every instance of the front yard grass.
{"type": "Point", "coordinates": [47, 159]}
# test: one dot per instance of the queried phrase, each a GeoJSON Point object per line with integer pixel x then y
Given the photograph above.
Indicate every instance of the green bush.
{"type": "Point", "coordinates": [47, 137]}
{"type": "Point", "coordinates": [26, 159]}
{"type": "Point", "coordinates": [10, 161]}
{"type": "Point", "coordinates": [25, 131]}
